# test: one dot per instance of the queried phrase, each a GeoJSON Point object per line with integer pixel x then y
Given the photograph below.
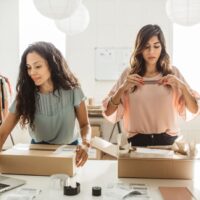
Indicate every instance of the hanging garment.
{"type": "Point", "coordinates": [5, 93]}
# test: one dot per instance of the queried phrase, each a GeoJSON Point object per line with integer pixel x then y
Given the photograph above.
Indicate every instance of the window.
{"type": "Point", "coordinates": [186, 53]}
{"type": "Point", "coordinates": [35, 27]}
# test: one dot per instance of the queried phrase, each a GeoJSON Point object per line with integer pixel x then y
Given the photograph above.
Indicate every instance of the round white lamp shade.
{"type": "Point", "coordinates": [75, 24]}
{"type": "Point", "coordinates": [57, 9]}
{"type": "Point", "coordinates": [183, 12]}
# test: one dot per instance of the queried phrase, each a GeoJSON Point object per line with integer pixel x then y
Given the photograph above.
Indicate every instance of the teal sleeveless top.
{"type": "Point", "coordinates": [55, 119]}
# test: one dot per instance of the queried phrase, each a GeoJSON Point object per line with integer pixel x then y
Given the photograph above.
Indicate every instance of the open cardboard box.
{"type": "Point", "coordinates": [152, 165]}
{"type": "Point", "coordinates": [37, 159]}
{"type": "Point", "coordinates": [41, 159]}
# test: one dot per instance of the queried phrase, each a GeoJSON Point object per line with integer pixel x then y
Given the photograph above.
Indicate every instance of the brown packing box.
{"type": "Point", "coordinates": [132, 165]}
{"type": "Point", "coordinates": [98, 155]}
{"type": "Point", "coordinates": [96, 130]}
{"type": "Point", "coordinates": [93, 154]}
{"type": "Point", "coordinates": [37, 159]}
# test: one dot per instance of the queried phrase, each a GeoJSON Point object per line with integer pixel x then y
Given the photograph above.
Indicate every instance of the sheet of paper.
{"type": "Point", "coordinates": [154, 151]}
{"type": "Point", "coordinates": [125, 191]}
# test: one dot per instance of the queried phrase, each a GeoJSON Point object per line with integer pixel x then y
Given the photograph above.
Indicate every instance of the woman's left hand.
{"type": "Point", "coordinates": [81, 155]}
{"type": "Point", "coordinates": [172, 81]}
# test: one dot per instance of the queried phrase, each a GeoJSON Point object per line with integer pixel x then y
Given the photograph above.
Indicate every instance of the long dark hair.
{"type": "Point", "coordinates": [61, 77]}
{"type": "Point", "coordinates": [137, 61]}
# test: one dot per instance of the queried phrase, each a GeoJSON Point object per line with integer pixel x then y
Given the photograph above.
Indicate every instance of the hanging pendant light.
{"type": "Point", "coordinates": [183, 12]}
{"type": "Point", "coordinates": [57, 9]}
{"type": "Point", "coordinates": [75, 24]}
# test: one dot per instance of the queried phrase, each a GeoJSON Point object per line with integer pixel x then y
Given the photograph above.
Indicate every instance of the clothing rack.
{"type": "Point", "coordinates": [2, 94]}
{"type": "Point", "coordinates": [3, 105]}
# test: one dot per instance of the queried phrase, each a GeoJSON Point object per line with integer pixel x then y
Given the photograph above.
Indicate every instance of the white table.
{"type": "Point", "coordinates": [101, 173]}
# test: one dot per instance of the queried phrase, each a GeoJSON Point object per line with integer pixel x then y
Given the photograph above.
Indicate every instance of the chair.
{"type": "Point", "coordinates": [118, 127]}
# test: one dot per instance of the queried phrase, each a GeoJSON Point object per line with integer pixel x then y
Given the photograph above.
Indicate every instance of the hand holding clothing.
{"type": "Point", "coordinates": [172, 80]}
{"type": "Point", "coordinates": [131, 81]}
{"type": "Point", "coordinates": [177, 84]}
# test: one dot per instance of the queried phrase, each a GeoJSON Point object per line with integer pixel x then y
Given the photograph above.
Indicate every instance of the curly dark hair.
{"type": "Point", "coordinates": [137, 61]}
{"type": "Point", "coordinates": [62, 78]}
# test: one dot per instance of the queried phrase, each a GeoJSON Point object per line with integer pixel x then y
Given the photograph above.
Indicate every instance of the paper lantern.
{"type": "Point", "coordinates": [57, 9]}
{"type": "Point", "coordinates": [75, 24]}
{"type": "Point", "coordinates": [183, 12]}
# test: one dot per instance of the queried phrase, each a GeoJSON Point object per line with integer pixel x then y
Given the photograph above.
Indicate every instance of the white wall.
{"type": "Point", "coordinates": [114, 23]}
{"type": "Point", "coordinates": [9, 39]}
{"type": "Point", "coordinates": [9, 49]}
{"type": "Point", "coordinates": [191, 129]}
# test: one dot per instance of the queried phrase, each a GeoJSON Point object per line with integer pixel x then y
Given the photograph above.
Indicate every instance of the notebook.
{"type": "Point", "coordinates": [8, 183]}
{"type": "Point", "coordinates": [176, 193]}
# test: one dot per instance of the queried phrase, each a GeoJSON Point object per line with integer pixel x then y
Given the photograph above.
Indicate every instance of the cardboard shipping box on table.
{"type": "Point", "coordinates": [37, 159]}
{"type": "Point", "coordinates": [142, 165]}
{"type": "Point", "coordinates": [42, 159]}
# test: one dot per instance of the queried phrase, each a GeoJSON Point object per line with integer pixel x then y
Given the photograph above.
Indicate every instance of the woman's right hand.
{"type": "Point", "coordinates": [131, 81]}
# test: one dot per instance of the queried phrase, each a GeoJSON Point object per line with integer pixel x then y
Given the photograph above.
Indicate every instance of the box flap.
{"type": "Point", "coordinates": [41, 150]}
{"type": "Point", "coordinates": [105, 146]}
{"type": "Point", "coordinates": [45, 147]}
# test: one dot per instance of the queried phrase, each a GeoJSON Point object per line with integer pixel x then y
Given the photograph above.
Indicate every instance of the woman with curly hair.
{"type": "Point", "coordinates": [150, 94]}
{"type": "Point", "coordinates": [49, 100]}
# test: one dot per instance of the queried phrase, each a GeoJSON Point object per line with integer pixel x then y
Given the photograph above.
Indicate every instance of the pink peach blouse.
{"type": "Point", "coordinates": [151, 108]}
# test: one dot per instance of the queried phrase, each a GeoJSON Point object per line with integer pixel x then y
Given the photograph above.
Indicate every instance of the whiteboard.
{"type": "Point", "coordinates": [110, 62]}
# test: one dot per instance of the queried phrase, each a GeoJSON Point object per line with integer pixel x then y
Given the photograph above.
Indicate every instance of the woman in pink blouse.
{"type": "Point", "coordinates": [151, 93]}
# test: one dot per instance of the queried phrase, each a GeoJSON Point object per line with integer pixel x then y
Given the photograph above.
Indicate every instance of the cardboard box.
{"type": "Point", "coordinates": [37, 159]}
{"type": "Point", "coordinates": [96, 130]}
{"type": "Point", "coordinates": [40, 159]}
{"type": "Point", "coordinates": [153, 165]}
{"type": "Point", "coordinates": [94, 154]}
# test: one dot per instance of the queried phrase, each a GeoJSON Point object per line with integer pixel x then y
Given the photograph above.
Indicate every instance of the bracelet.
{"type": "Point", "coordinates": [86, 142]}
{"type": "Point", "coordinates": [112, 103]}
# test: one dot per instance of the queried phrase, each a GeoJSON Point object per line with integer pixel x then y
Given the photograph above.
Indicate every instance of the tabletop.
{"type": "Point", "coordinates": [103, 173]}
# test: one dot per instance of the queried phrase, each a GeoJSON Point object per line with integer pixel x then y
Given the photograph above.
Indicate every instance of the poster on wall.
{"type": "Point", "coordinates": [110, 62]}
